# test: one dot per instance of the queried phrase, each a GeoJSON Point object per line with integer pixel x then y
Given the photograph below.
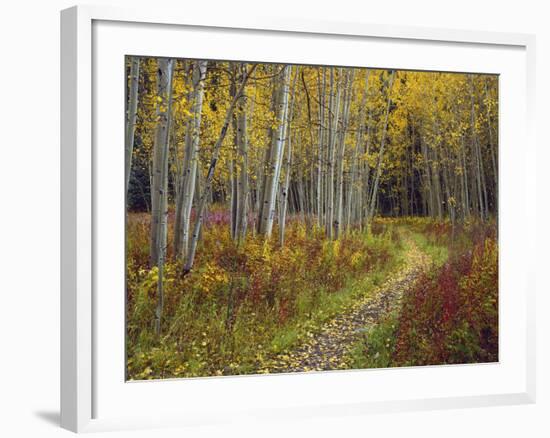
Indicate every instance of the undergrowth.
{"type": "Point", "coordinates": [450, 315]}
{"type": "Point", "coordinates": [243, 303]}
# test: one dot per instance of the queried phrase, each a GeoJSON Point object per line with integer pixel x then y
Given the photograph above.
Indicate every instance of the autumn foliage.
{"type": "Point", "coordinates": [450, 314]}
{"type": "Point", "coordinates": [270, 206]}
{"type": "Point", "coordinates": [230, 310]}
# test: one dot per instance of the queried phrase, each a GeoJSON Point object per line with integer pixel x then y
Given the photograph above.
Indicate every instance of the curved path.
{"type": "Point", "coordinates": [328, 348]}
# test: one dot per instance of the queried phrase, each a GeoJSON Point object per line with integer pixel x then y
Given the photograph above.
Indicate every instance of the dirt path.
{"type": "Point", "coordinates": [328, 348]}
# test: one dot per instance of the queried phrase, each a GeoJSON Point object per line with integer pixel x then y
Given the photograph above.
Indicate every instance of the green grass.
{"type": "Point", "coordinates": [209, 333]}
{"type": "Point", "coordinates": [438, 253]}
{"type": "Point", "coordinates": [198, 342]}
{"type": "Point", "coordinates": [376, 348]}
{"type": "Point", "coordinates": [406, 336]}
{"type": "Point", "coordinates": [314, 312]}
{"type": "Point", "coordinates": [330, 305]}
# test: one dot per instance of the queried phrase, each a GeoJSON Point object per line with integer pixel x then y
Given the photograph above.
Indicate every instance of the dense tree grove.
{"type": "Point", "coordinates": [337, 145]}
{"type": "Point", "coordinates": [331, 147]}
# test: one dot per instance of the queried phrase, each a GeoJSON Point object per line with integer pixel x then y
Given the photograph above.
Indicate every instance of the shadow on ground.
{"type": "Point", "coordinates": [51, 417]}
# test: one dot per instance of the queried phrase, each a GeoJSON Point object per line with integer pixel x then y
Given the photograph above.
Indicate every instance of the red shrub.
{"type": "Point", "coordinates": [452, 317]}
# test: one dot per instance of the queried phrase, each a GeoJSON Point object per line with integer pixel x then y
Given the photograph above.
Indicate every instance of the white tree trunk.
{"type": "Point", "coordinates": [188, 181]}
{"type": "Point", "coordinates": [334, 115]}
{"type": "Point", "coordinates": [381, 151]}
{"type": "Point", "coordinates": [160, 157]}
{"type": "Point", "coordinates": [184, 168]}
{"type": "Point", "coordinates": [348, 88]}
{"type": "Point", "coordinates": [288, 162]}
{"type": "Point", "coordinates": [239, 166]}
{"type": "Point", "coordinates": [210, 176]}
{"type": "Point", "coordinates": [160, 180]}
{"type": "Point", "coordinates": [274, 169]}
{"type": "Point", "coordinates": [355, 164]}
{"type": "Point", "coordinates": [242, 144]}
{"type": "Point", "coordinates": [131, 114]}
{"type": "Point", "coordinates": [322, 88]}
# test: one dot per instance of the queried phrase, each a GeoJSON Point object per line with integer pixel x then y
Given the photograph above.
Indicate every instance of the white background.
{"type": "Point", "coordinates": [29, 190]}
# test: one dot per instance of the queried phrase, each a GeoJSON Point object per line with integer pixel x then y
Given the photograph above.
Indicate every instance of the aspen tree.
{"type": "Point", "coordinates": [491, 136]}
{"type": "Point", "coordinates": [348, 90]}
{"type": "Point", "coordinates": [209, 177]}
{"type": "Point", "coordinates": [242, 148]}
{"type": "Point", "coordinates": [382, 146]}
{"type": "Point", "coordinates": [274, 167]}
{"type": "Point", "coordinates": [188, 181]}
{"type": "Point", "coordinates": [160, 180]}
{"type": "Point", "coordinates": [334, 116]}
{"type": "Point", "coordinates": [288, 161]}
{"type": "Point", "coordinates": [160, 157]}
{"type": "Point", "coordinates": [322, 91]}
{"type": "Point", "coordinates": [355, 159]}
{"type": "Point", "coordinates": [131, 114]}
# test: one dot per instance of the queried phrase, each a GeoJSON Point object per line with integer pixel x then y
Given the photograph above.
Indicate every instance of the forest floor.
{"type": "Point", "coordinates": [411, 292]}
{"type": "Point", "coordinates": [329, 348]}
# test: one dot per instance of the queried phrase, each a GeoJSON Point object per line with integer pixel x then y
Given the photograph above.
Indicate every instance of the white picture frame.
{"type": "Point", "coordinates": [82, 368]}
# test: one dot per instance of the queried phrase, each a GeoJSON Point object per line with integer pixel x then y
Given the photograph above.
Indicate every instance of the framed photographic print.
{"type": "Point", "coordinates": [334, 218]}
